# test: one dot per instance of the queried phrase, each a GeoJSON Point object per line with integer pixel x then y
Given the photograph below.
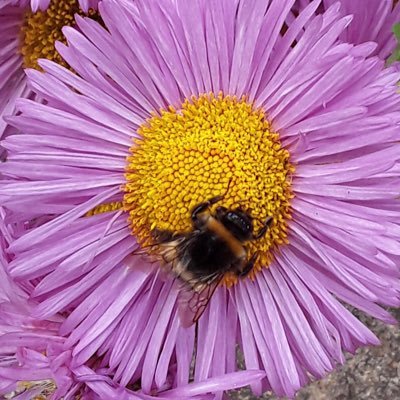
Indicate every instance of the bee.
{"type": "Point", "coordinates": [201, 257]}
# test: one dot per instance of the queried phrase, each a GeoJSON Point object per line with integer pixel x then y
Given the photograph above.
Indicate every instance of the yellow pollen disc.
{"type": "Point", "coordinates": [45, 387]}
{"type": "Point", "coordinates": [187, 156]}
{"type": "Point", "coordinates": [104, 208]}
{"type": "Point", "coordinates": [42, 29]}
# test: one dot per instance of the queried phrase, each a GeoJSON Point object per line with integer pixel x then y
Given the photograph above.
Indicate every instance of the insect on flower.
{"type": "Point", "coordinates": [215, 246]}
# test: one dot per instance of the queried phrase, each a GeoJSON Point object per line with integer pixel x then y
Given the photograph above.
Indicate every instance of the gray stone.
{"type": "Point", "coordinates": [372, 374]}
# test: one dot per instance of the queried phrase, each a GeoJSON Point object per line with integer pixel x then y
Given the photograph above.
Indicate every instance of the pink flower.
{"type": "Point", "coordinates": [24, 37]}
{"type": "Point", "coordinates": [170, 105]}
{"type": "Point", "coordinates": [373, 20]}
{"type": "Point", "coordinates": [35, 360]}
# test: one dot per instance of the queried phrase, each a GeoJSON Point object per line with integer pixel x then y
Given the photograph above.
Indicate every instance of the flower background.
{"type": "Point", "coordinates": [373, 21]}
{"type": "Point", "coordinates": [117, 232]}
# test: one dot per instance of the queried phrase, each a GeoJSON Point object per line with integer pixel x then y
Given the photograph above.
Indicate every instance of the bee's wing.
{"type": "Point", "coordinates": [194, 294]}
{"type": "Point", "coordinates": [194, 300]}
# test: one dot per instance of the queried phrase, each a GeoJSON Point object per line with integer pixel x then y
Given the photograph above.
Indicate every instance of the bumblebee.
{"type": "Point", "coordinates": [201, 257]}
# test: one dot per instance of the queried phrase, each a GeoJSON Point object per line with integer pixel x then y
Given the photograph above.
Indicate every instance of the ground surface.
{"type": "Point", "coordinates": [373, 374]}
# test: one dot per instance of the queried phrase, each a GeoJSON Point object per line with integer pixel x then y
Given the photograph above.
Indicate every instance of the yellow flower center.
{"type": "Point", "coordinates": [45, 387]}
{"type": "Point", "coordinates": [42, 29]}
{"type": "Point", "coordinates": [211, 146]}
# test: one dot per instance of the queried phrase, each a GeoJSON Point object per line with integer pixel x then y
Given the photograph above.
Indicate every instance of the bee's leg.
{"type": "Point", "coordinates": [249, 266]}
{"type": "Point", "coordinates": [161, 236]}
{"type": "Point", "coordinates": [203, 207]}
{"type": "Point", "coordinates": [264, 229]}
{"type": "Point", "coordinates": [164, 236]}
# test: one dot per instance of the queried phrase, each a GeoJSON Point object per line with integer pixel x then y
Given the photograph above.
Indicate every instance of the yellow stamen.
{"type": "Point", "coordinates": [187, 156]}
{"type": "Point", "coordinates": [104, 208]}
{"type": "Point", "coordinates": [47, 388]}
{"type": "Point", "coordinates": [42, 29]}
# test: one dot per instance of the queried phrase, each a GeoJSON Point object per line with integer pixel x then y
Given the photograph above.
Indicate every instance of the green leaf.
{"type": "Point", "coordinates": [396, 52]}
{"type": "Point", "coordinates": [396, 31]}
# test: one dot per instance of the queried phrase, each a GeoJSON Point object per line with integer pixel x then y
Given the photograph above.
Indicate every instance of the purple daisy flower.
{"type": "Point", "coordinates": [36, 361]}
{"type": "Point", "coordinates": [26, 36]}
{"type": "Point", "coordinates": [178, 103]}
{"type": "Point", "coordinates": [373, 20]}
{"type": "Point", "coordinates": [85, 5]}
{"type": "Point", "coordinates": [42, 5]}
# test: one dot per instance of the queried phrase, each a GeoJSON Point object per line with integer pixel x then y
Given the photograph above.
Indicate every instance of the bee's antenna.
{"type": "Point", "coordinates": [221, 197]}
{"type": "Point", "coordinates": [227, 189]}
{"type": "Point", "coordinates": [207, 204]}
